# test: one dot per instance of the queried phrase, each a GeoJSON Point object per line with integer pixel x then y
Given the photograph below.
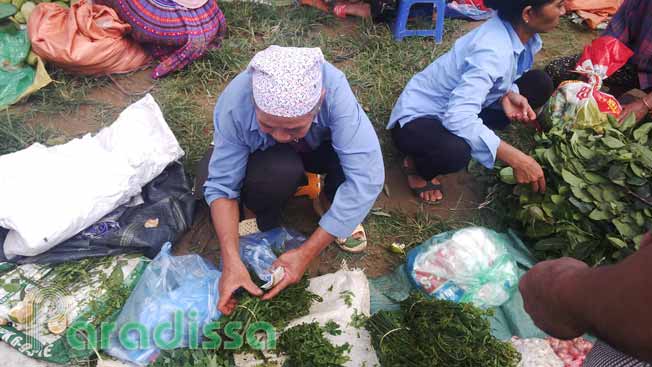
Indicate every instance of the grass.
{"type": "Point", "coordinates": [15, 134]}
{"type": "Point", "coordinates": [377, 67]}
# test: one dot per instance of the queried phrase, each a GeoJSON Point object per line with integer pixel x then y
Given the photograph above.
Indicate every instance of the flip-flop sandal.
{"type": "Point", "coordinates": [352, 244]}
{"type": "Point", "coordinates": [411, 171]}
{"type": "Point", "coordinates": [429, 187]}
{"type": "Point", "coordinates": [247, 227]}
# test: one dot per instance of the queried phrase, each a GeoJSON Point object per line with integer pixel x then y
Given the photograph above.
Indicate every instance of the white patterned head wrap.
{"type": "Point", "coordinates": [287, 81]}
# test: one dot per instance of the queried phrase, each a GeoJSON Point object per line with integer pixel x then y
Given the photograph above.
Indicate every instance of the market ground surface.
{"type": "Point", "coordinates": [377, 68]}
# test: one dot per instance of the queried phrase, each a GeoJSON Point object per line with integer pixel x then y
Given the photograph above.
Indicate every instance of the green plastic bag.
{"type": "Point", "coordinates": [15, 75]}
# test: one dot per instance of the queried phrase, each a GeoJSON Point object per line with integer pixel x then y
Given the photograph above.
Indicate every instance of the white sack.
{"type": "Point", "coordinates": [333, 307]}
{"type": "Point", "coordinates": [48, 195]}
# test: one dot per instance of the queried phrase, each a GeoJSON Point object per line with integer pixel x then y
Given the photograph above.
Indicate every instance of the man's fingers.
{"type": "Point", "coordinates": [276, 290]}
{"type": "Point", "coordinates": [647, 240]}
{"type": "Point", "coordinates": [252, 288]}
{"type": "Point", "coordinates": [221, 305]}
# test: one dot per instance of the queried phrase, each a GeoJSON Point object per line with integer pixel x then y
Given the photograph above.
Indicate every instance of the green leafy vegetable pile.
{"type": "Point", "coordinates": [598, 202]}
{"type": "Point", "coordinates": [306, 346]}
{"type": "Point", "coordinates": [433, 333]}
{"type": "Point", "coordinates": [292, 303]}
{"type": "Point", "coordinates": [191, 358]}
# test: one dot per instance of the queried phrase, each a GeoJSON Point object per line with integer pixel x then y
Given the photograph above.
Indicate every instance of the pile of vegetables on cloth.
{"type": "Point", "coordinates": [598, 202]}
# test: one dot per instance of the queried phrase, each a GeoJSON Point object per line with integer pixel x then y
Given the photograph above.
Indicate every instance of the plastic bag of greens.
{"type": "Point", "coordinates": [15, 75]}
{"type": "Point", "coordinates": [469, 265]}
{"type": "Point", "coordinates": [581, 104]}
{"type": "Point", "coordinates": [174, 295]}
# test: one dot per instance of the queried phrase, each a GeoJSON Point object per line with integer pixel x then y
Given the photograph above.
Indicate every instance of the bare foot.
{"type": "Point", "coordinates": [357, 9]}
{"type": "Point", "coordinates": [319, 4]}
{"type": "Point", "coordinates": [416, 182]}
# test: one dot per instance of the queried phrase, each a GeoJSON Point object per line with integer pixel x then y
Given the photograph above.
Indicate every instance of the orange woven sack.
{"type": "Point", "coordinates": [594, 11]}
{"type": "Point", "coordinates": [86, 39]}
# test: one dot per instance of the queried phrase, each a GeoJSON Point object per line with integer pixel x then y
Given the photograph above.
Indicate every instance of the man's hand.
{"type": "Point", "coordinates": [234, 277]}
{"type": "Point", "coordinates": [546, 290]}
{"type": "Point", "coordinates": [638, 108]}
{"type": "Point", "coordinates": [517, 108]}
{"type": "Point", "coordinates": [294, 262]}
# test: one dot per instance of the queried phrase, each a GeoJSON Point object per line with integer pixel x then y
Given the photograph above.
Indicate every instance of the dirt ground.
{"type": "Point", "coordinates": [462, 193]}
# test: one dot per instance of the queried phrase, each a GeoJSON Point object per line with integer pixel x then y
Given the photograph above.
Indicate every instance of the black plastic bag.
{"type": "Point", "coordinates": [164, 216]}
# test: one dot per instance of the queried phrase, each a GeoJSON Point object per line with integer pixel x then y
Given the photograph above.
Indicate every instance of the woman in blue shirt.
{"type": "Point", "coordinates": [447, 113]}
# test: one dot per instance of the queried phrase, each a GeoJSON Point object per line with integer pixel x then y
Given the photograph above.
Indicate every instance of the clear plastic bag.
{"type": "Point", "coordinates": [469, 265]}
{"type": "Point", "coordinates": [258, 252]}
{"type": "Point", "coordinates": [169, 285]}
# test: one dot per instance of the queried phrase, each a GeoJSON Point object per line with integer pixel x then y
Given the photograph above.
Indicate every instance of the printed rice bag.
{"type": "Point", "coordinates": [581, 103]}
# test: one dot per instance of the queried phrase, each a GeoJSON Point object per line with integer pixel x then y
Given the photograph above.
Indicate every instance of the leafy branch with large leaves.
{"type": "Point", "coordinates": [598, 204]}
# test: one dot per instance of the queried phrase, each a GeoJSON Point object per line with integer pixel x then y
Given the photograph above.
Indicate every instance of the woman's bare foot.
{"type": "Point", "coordinates": [356, 9]}
{"type": "Point", "coordinates": [416, 183]}
{"type": "Point", "coordinates": [319, 4]}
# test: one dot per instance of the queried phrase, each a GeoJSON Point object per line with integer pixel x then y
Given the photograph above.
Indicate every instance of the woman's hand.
{"type": "Point", "coordinates": [526, 169]}
{"type": "Point", "coordinates": [638, 108]}
{"type": "Point", "coordinates": [517, 108]}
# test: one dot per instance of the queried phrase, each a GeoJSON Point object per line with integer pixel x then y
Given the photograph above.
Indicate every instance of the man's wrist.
{"type": "Point", "coordinates": [572, 290]}
{"type": "Point", "coordinates": [231, 260]}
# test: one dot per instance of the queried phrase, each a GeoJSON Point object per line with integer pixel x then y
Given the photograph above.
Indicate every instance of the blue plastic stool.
{"type": "Point", "coordinates": [400, 25]}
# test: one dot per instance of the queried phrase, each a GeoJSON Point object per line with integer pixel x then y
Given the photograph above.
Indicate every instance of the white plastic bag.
{"type": "Point", "coordinates": [49, 194]}
{"type": "Point", "coordinates": [469, 265]}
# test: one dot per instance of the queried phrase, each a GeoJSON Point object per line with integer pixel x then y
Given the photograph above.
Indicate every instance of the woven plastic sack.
{"type": "Point", "coordinates": [171, 285]}
{"type": "Point", "coordinates": [469, 265]}
{"type": "Point", "coordinates": [86, 39]}
{"type": "Point", "coordinates": [333, 307]}
{"type": "Point", "coordinates": [581, 103]}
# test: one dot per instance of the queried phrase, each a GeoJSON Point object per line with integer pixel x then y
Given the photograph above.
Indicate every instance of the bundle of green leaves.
{"type": "Point", "coordinates": [292, 303]}
{"type": "Point", "coordinates": [192, 358]}
{"type": "Point", "coordinates": [306, 346]}
{"type": "Point", "coordinates": [432, 333]}
{"type": "Point", "coordinates": [598, 202]}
